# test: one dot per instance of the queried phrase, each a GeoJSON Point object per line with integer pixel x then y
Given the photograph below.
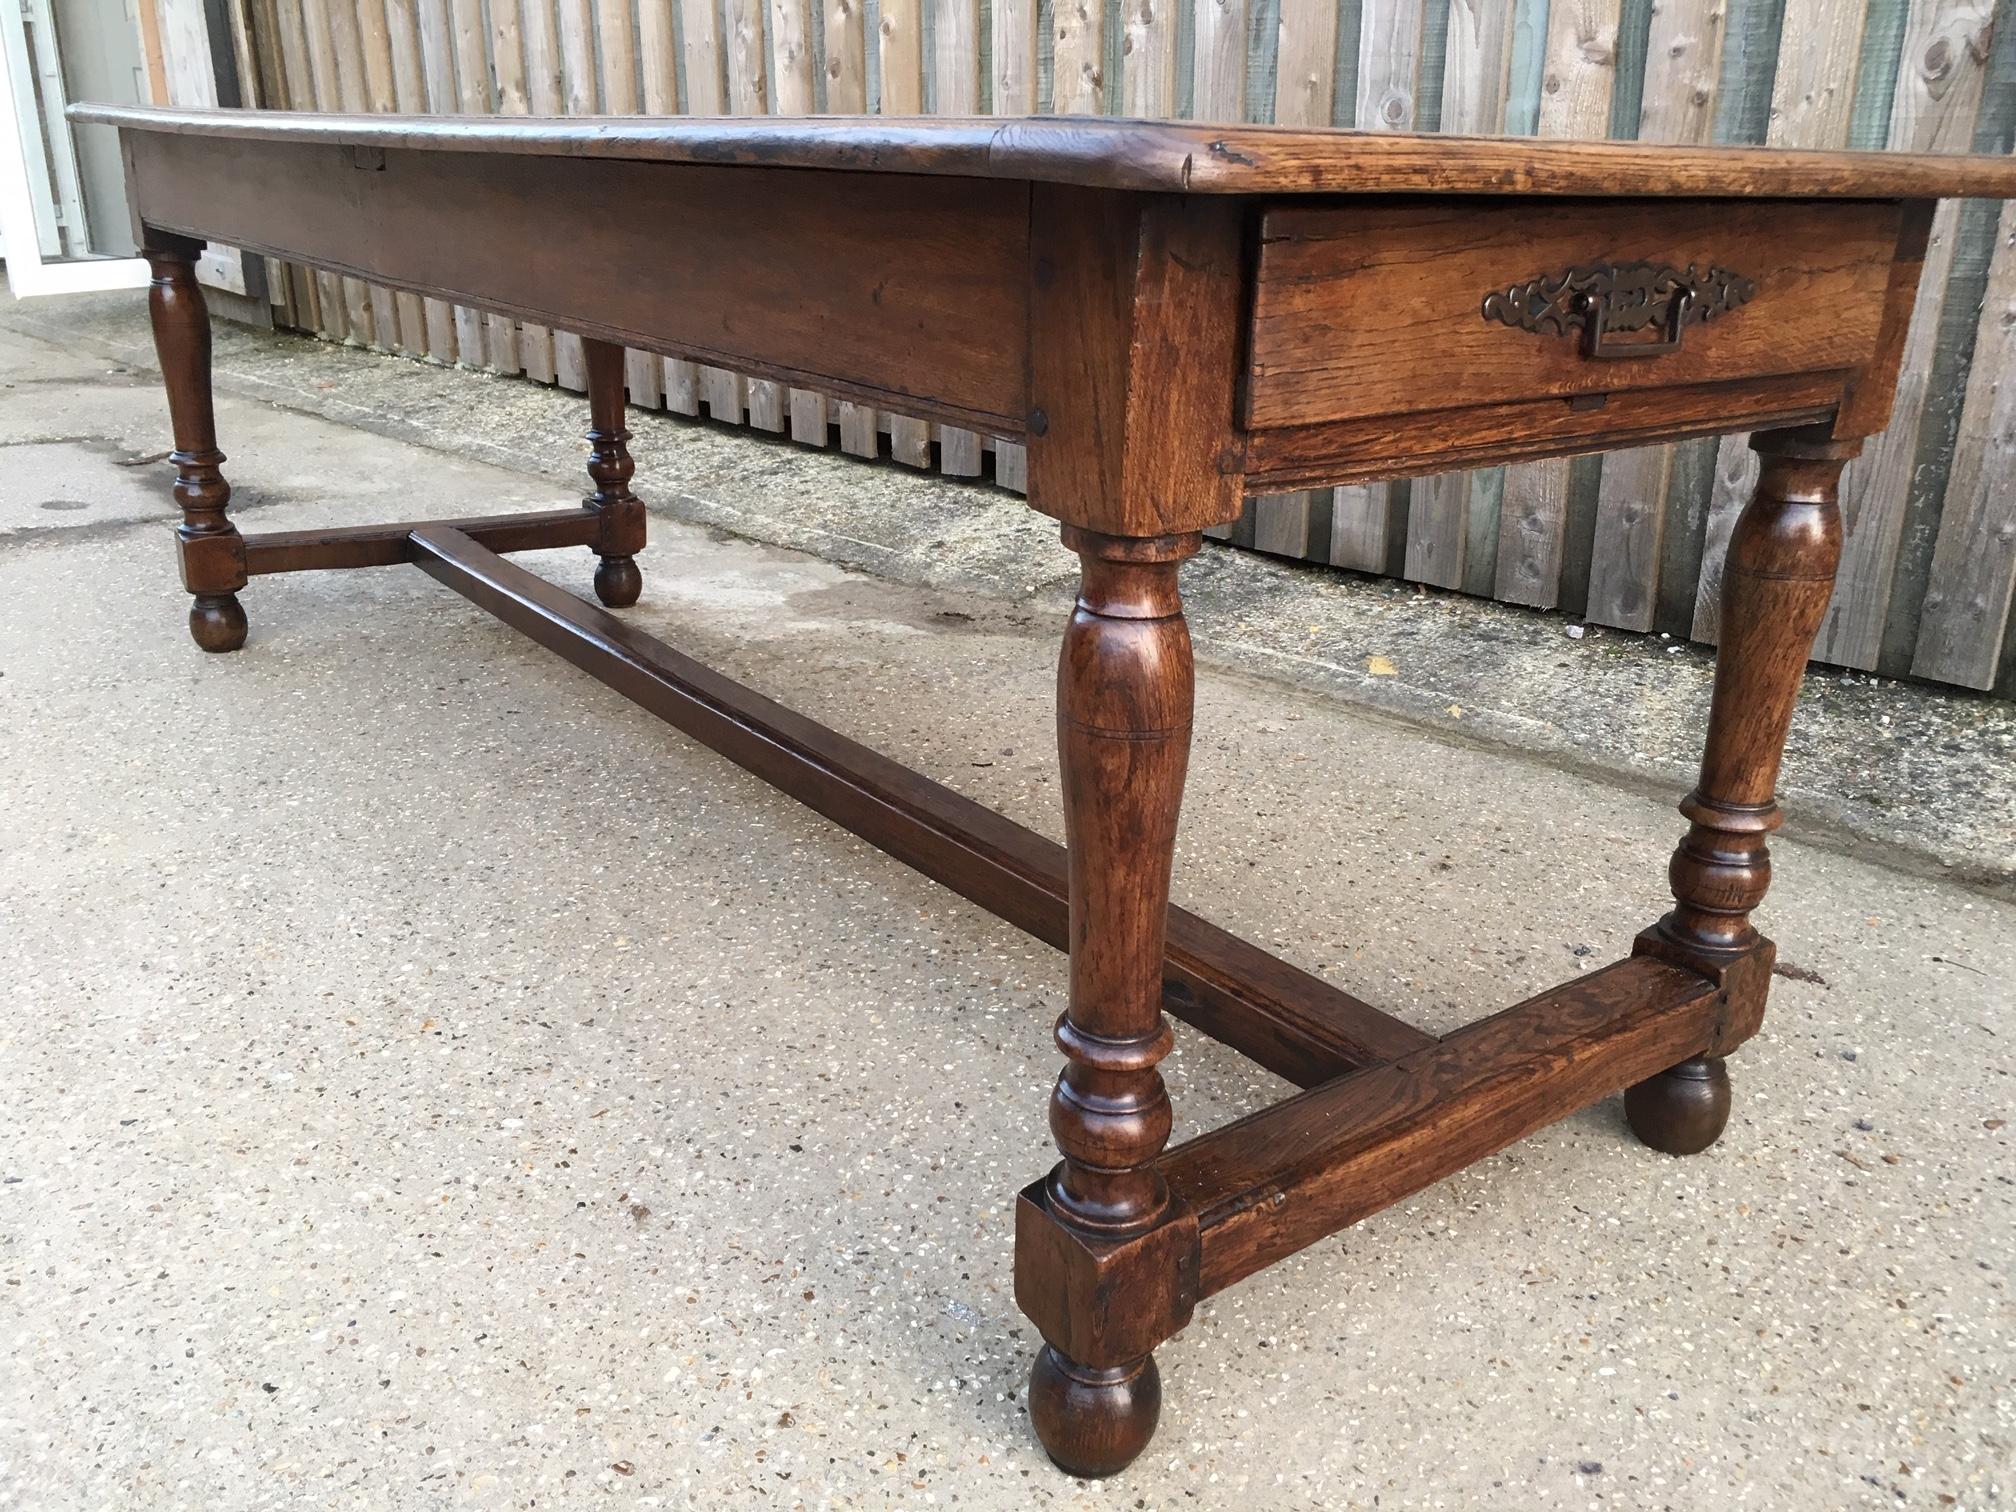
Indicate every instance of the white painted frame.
{"type": "Point", "coordinates": [20, 234]}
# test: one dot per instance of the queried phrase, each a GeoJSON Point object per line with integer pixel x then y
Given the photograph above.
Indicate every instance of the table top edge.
{"type": "Point", "coordinates": [1112, 153]}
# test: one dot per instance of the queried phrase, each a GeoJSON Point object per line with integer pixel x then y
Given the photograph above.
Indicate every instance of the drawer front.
{"type": "Point", "coordinates": [1390, 307]}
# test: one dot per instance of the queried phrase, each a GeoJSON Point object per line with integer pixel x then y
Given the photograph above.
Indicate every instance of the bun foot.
{"type": "Point", "coordinates": [1093, 1420]}
{"type": "Point", "coordinates": [217, 622]}
{"type": "Point", "coordinates": [618, 582]}
{"type": "Point", "coordinates": [1683, 1109]}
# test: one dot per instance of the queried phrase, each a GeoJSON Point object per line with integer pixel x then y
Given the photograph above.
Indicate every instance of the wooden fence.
{"type": "Point", "coordinates": [1631, 540]}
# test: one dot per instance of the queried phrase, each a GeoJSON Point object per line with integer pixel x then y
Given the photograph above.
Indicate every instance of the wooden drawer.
{"type": "Point", "coordinates": [1498, 295]}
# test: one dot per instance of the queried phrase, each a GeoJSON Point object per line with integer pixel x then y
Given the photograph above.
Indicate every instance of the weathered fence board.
{"type": "Point", "coordinates": [1966, 611]}
{"type": "Point", "coordinates": [1941, 70]}
{"type": "Point", "coordinates": [1579, 78]}
{"type": "Point", "coordinates": [1633, 540]}
{"type": "Point", "coordinates": [1476, 70]}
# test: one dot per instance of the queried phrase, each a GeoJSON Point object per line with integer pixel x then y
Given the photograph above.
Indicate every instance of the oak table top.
{"type": "Point", "coordinates": [1177, 157]}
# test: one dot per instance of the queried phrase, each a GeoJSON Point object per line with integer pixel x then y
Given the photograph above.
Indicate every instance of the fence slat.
{"type": "Point", "coordinates": [1683, 65]}
{"type": "Point", "coordinates": [1967, 599]}
{"type": "Point", "coordinates": [462, 341]}
{"type": "Point", "coordinates": [846, 57]}
{"type": "Point", "coordinates": [658, 63]}
{"type": "Point", "coordinates": [321, 20]}
{"type": "Point", "coordinates": [718, 80]}
{"type": "Point", "coordinates": [899, 46]}
{"type": "Point", "coordinates": [616, 29]}
{"type": "Point", "coordinates": [955, 81]}
{"type": "Point", "coordinates": [1578, 82]}
{"type": "Point", "coordinates": [565, 85]}
{"type": "Point", "coordinates": [1218, 67]}
{"type": "Point", "coordinates": [426, 324]}
{"type": "Point", "coordinates": [499, 347]}
{"type": "Point", "coordinates": [791, 93]}
{"type": "Point", "coordinates": [1940, 76]}
{"type": "Point", "coordinates": [513, 47]}
{"type": "Point", "coordinates": [1218, 93]}
{"type": "Point", "coordinates": [1389, 57]}
{"type": "Point", "coordinates": [847, 94]}
{"type": "Point", "coordinates": [1078, 59]}
{"type": "Point", "coordinates": [748, 94]}
{"type": "Point", "coordinates": [1148, 54]}
{"type": "Point", "coordinates": [1811, 106]}
{"type": "Point", "coordinates": [1476, 66]}
{"type": "Point", "coordinates": [1305, 84]}
{"type": "Point", "coordinates": [323, 294]}
{"type": "Point", "coordinates": [406, 331]}
{"type": "Point", "coordinates": [1013, 48]}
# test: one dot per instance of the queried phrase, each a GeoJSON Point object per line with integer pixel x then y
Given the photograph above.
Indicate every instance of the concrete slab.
{"type": "Point", "coordinates": [426, 1081]}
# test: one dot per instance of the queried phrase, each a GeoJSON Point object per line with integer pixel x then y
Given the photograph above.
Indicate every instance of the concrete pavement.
{"type": "Point", "coordinates": [425, 1081]}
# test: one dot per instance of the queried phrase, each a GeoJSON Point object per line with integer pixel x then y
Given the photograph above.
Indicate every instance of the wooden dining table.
{"type": "Point", "coordinates": [1171, 317]}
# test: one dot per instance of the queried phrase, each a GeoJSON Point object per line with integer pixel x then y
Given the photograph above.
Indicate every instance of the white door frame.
{"type": "Point", "coordinates": [20, 235]}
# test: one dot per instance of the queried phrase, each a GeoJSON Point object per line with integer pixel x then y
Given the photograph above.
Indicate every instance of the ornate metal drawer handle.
{"type": "Point", "coordinates": [1604, 300]}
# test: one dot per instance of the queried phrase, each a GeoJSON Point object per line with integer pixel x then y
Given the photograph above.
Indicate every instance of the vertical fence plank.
{"type": "Point", "coordinates": [325, 292]}
{"type": "Point", "coordinates": [748, 94]}
{"type": "Point", "coordinates": [1148, 53]}
{"type": "Point", "coordinates": [1941, 72]}
{"type": "Point", "coordinates": [512, 48]}
{"type": "Point", "coordinates": [1390, 34]}
{"type": "Point", "coordinates": [955, 80]}
{"type": "Point", "coordinates": [793, 92]}
{"type": "Point", "coordinates": [1476, 67]}
{"type": "Point", "coordinates": [1967, 599]}
{"type": "Point", "coordinates": [707, 93]}
{"type": "Point", "coordinates": [566, 86]}
{"type": "Point", "coordinates": [264, 84]}
{"type": "Point", "coordinates": [1078, 57]}
{"type": "Point", "coordinates": [1218, 90]}
{"type": "Point", "coordinates": [1305, 66]}
{"type": "Point", "coordinates": [1683, 67]}
{"type": "Point", "coordinates": [1811, 105]}
{"type": "Point", "coordinates": [432, 328]}
{"type": "Point", "coordinates": [846, 57]}
{"type": "Point", "coordinates": [847, 94]}
{"type": "Point", "coordinates": [1305, 83]}
{"type": "Point", "coordinates": [1577, 84]}
{"type": "Point", "coordinates": [1218, 66]}
{"type": "Point", "coordinates": [1389, 64]}
{"type": "Point", "coordinates": [336, 66]}
{"type": "Point", "coordinates": [473, 96]}
{"type": "Point", "coordinates": [1015, 57]}
{"type": "Point", "coordinates": [616, 27]}
{"type": "Point", "coordinates": [899, 46]}
{"type": "Point", "coordinates": [1014, 67]}
{"type": "Point", "coordinates": [658, 58]}
{"type": "Point", "coordinates": [1477, 60]}
{"type": "Point", "coordinates": [408, 332]}
{"type": "Point", "coordinates": [462, 340]}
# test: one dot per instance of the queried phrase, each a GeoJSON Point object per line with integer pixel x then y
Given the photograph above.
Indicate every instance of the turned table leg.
{"type": "Point", "coordinates": [617, 580]}
{"type": "Point", "coordinates": [1775, 589]}
{"type": "Point", "coordinates": [1101, 1252]}
{"type": "Point", "coordinates": [212, 552]}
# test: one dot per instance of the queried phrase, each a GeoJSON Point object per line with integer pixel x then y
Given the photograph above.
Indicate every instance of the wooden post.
{"type": "Point", "coordinates": [617, 580]}
{"type": "Point", "coordinates": [1124, 690]}
{"type": "Point", "coordinates": [212, 551]}
{"type": "Point", "coordinates": [1780, 572]}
